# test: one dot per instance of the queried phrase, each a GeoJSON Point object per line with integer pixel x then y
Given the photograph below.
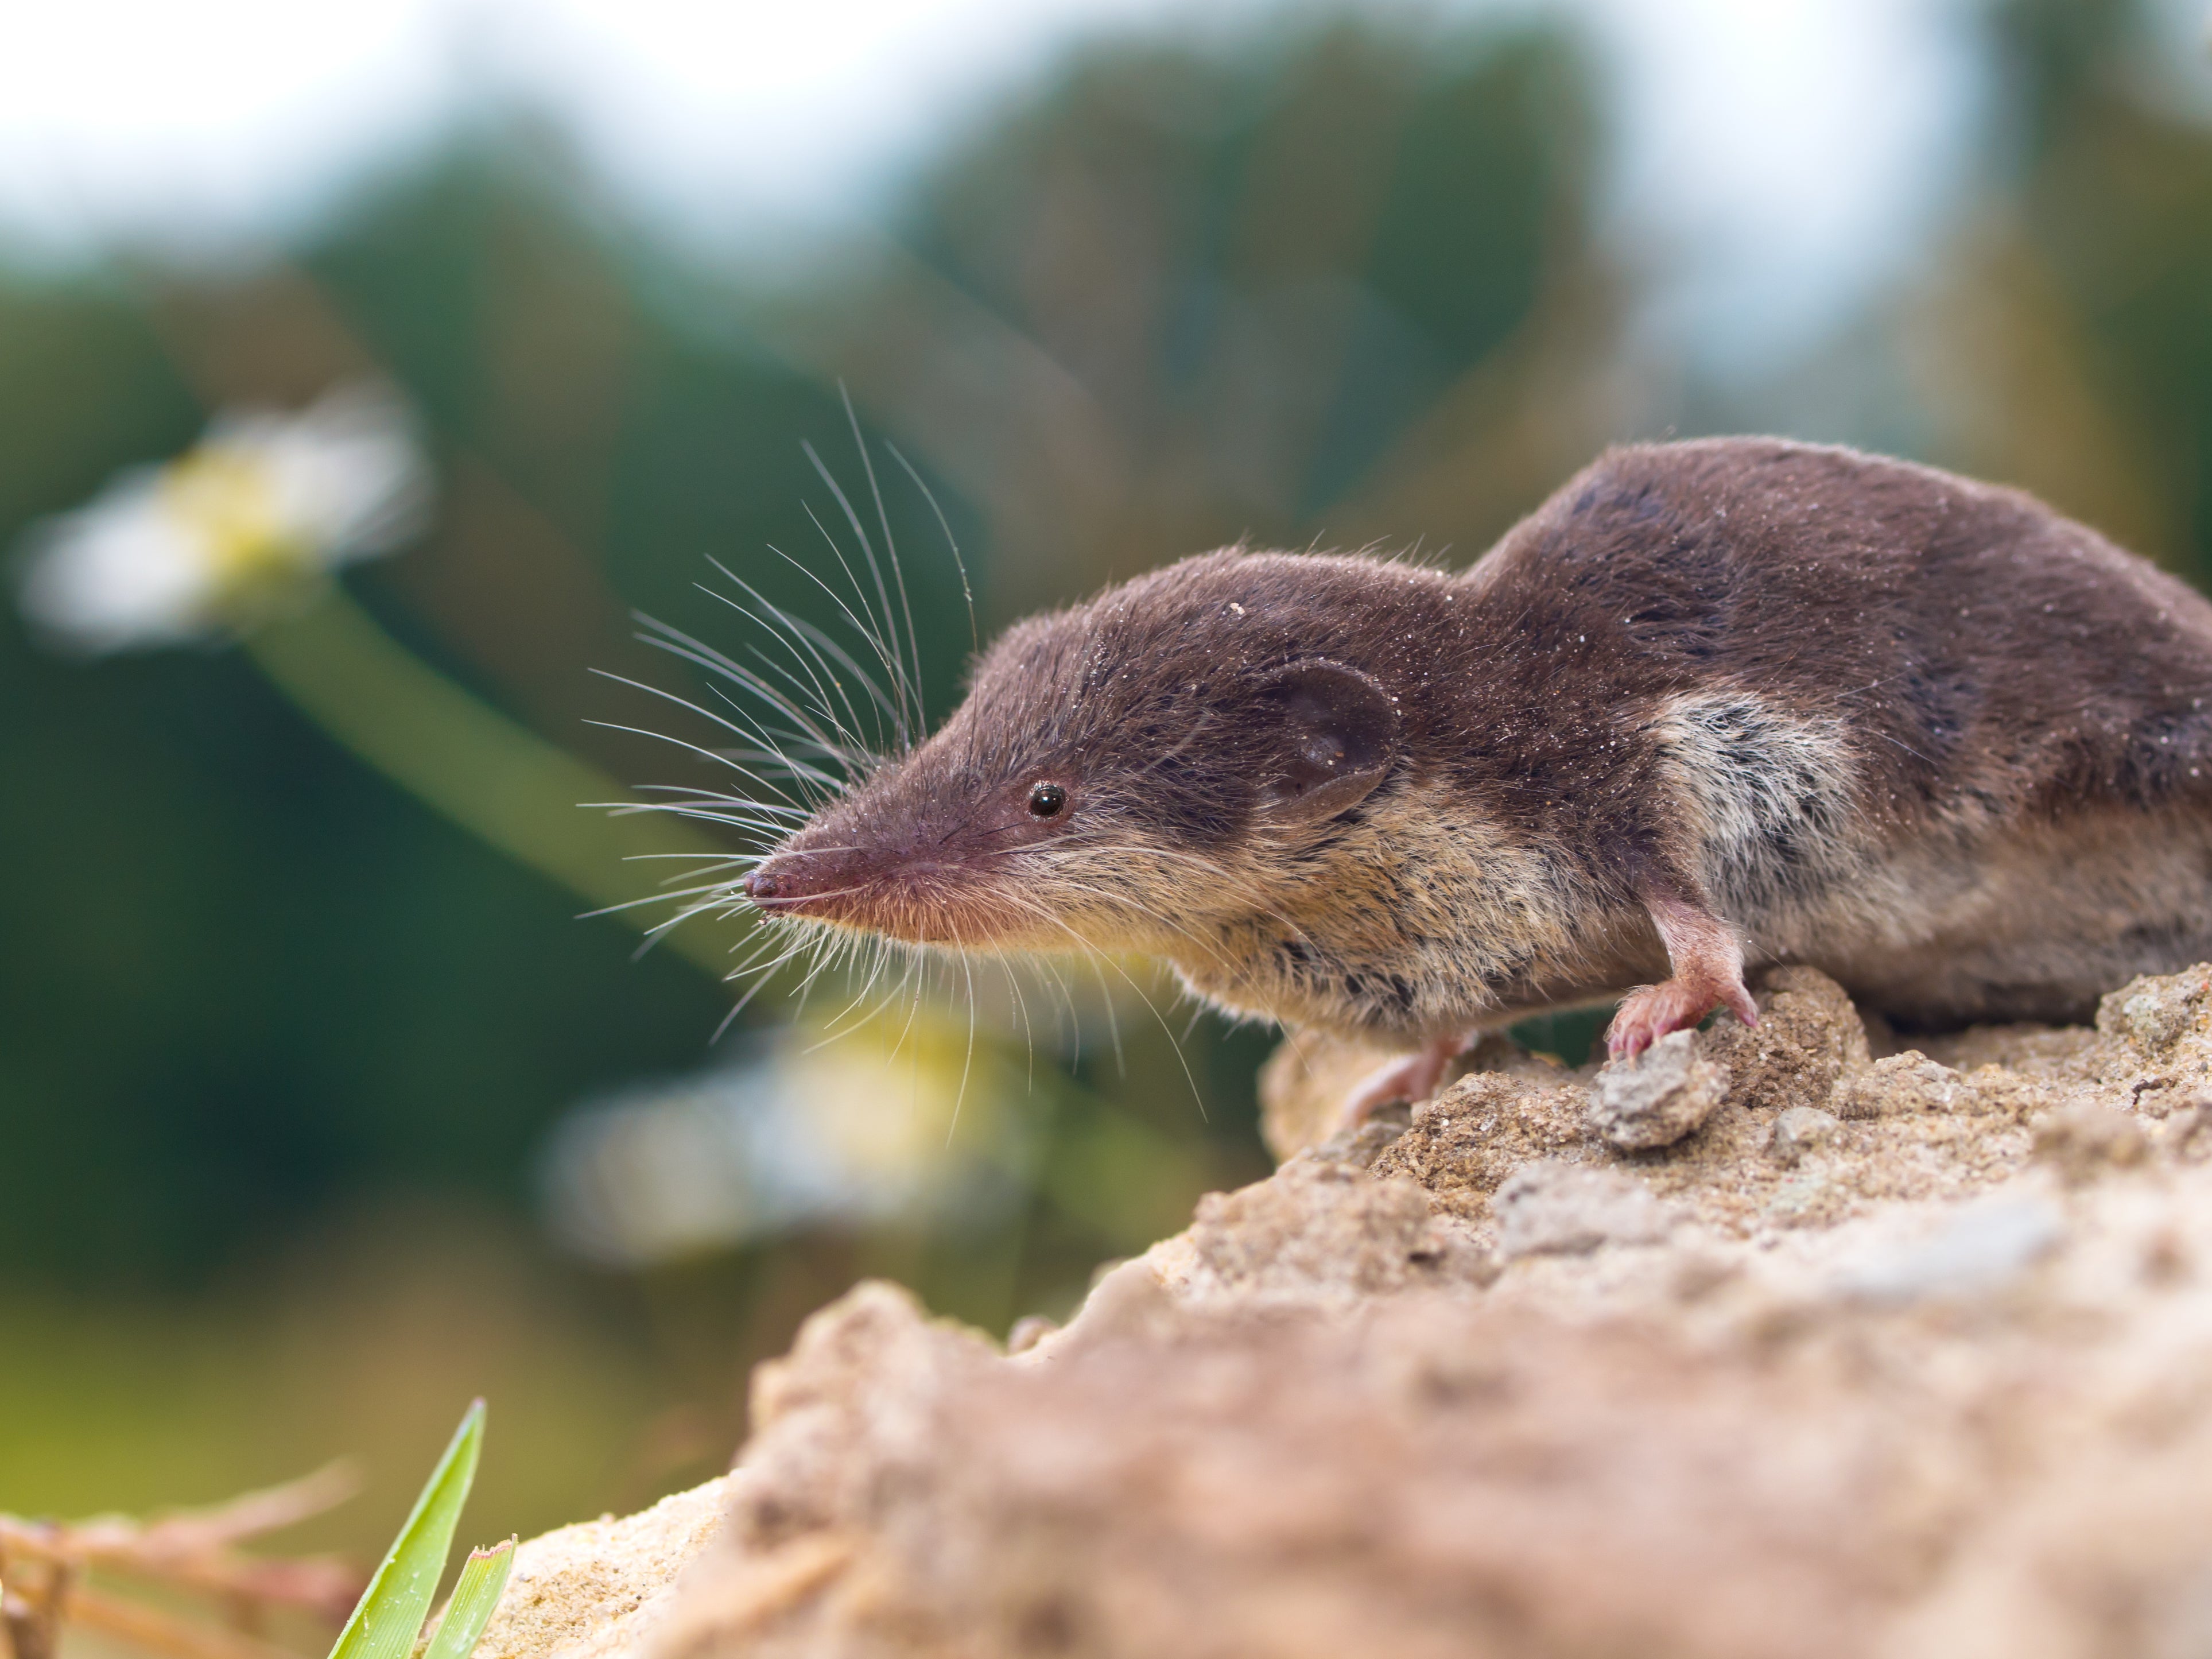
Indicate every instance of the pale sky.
{"type": "Point", "coordinates": [1779, 158]}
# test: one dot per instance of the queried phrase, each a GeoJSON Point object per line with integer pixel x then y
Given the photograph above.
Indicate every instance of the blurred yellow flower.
{"type": "Point", "coordinates": [893, 1120]}
{"type": "Point", "coordinates": [245, 522]}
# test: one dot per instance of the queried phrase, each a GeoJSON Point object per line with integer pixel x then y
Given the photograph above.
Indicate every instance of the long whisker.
{"type": "Point", "coordinates": [817, 712]}
{"type": "Point", "coordinates": [1118, 898]}
{"type": "Point", "coordinates": [887, 648]}
{"type": "Point", "coordinates": [820, 729]}
{"type": "Point", "coordinates": [1124, 901]}
{"type": "Point", "coordinates": [710, 798]}
{"type": "Point", "coordinates": [1085, 944]}
{"type": "Point", "coordinates": [1117, 851]}
{"type": "Point", "coordinates": [751, 731]}
{"type": "Point", "coordinates": [674, 641]}
{"type": "Point", "coordinates": [967, 1059]}
{"type": "Point", "coordinates": [890, 547]}
{"type": "Point", "coordinates": [967, 593]}
{"type": "Point", "coordinates": [1113, 1021]}
{"type": "Point", "coordinates": [811, 732]}
{"type": "Point", "coordinates": [803, 631]}
{"type": "Point", "coordinates": [793, 632]}
{"type": "Point", "coordinates": [796, 768]}
{"type": "Point", "coordinates": [895, 660]}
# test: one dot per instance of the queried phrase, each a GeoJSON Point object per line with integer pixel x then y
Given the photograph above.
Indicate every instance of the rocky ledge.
{"type": "Point", "coordinates": [1782, 1342]}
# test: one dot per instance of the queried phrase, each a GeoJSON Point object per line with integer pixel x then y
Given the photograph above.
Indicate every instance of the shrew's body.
{"type": "Point", "coordinates": [1714, 701]}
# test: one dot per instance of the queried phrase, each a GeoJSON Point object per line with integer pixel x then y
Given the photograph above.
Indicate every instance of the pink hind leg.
{"type": "Point", "coordinates": [1413, 1076]}
{"type": "Point", "coordinates": [1708, 966]}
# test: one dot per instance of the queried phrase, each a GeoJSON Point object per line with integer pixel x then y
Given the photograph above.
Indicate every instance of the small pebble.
{"type": "Point", "coordinates": [1984, 1247]}
{"type": "Point", "coordinates": [2153, 1013]}
{"type": "Point", "coordinates": [1902, 1083]}
{"type": "Point", "coordinates": [2082, 1142]}
{"type": "Point", "coordinates": [1665, 1093]}
{"type": "Point", "coordinates": [1802, 1129]}
{"type": "Point", "coordinates": [1550, 1206]}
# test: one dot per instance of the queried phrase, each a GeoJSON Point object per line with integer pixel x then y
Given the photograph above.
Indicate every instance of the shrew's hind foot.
{"type": "Point", "coordinates": [1410, 1077]}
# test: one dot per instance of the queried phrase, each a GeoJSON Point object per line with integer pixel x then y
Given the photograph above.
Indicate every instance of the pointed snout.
{"type": "Point", "coordinates": [835, 884]}
{"type": "Point", "coordinates": [787, 880]}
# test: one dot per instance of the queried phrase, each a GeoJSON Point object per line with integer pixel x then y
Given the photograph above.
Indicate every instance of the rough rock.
{"type": "Point", "coordinates": [1552, 1207]}
{"type": "Point", "coordinates": [2084, 1141]}
{"type": "Point", "coordinates": [1305, 1082]}
{"type": "Point", "coordinates": [1320, 1231]}
{"type": "Point", "coordinates": [1905, 1358]}
{"type": "Point", "coordinates": [2153, 1014]}
{"type": "Point", "coordinates": [1802, 1129]}
{"type": "Point", "coordinates": [1807, 1040]}
{"type": "Point", "coordinates": [1662, 1095]}
{"type": "Point", "coordinates": [1988, 1245]}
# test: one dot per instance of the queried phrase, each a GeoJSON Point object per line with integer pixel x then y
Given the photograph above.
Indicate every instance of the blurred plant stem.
{"type": "Point", "coordinates": [502, 783]}
{"type": "Point", "coordinates": [43, 1566]}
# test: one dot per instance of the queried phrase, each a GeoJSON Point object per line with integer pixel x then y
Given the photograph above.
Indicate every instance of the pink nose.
{"type": "Point", "coordinates": [793, 877]}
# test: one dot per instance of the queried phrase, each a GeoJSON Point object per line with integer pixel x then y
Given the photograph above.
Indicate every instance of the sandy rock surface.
{"type": "Point", "coordinates": [596, 1588]}
{"type": "Point", "coordinates": [1883, 1351]}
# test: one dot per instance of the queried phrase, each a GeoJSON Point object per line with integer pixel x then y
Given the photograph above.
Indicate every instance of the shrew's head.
{"type": "Point", "coordinates": [1115, 765]}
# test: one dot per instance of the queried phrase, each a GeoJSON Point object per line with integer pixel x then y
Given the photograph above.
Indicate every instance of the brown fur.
{"type": "Point", "coordinates": [1920, 732]}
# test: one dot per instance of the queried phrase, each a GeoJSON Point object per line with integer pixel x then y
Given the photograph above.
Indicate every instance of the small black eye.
{"type": "Point", "coordinates": [1046, 799]}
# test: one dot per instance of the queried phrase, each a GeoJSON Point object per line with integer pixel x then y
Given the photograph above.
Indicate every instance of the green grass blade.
{"type": "Point", "coordinates": [397, 1601]}
{"type": "Point", "coordinates": [473, 1601]}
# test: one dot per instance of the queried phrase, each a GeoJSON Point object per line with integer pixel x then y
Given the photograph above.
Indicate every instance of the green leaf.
{"type": "Point", "coordinates": [474, 1598]}
{"type": "Point", "coordinates": [393, 1609]}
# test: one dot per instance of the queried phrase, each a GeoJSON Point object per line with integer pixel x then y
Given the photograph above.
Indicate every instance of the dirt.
{"type": "Point", "coordinates": [596, 1588]}
{"type": "Point", "coordinates": [1888, 1351]}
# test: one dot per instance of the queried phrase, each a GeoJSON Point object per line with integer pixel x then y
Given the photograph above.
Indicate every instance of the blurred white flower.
{"type": "Point", "coordinates": [886, 1123]}
{"type": "Point", "coordinates": [247, 521]}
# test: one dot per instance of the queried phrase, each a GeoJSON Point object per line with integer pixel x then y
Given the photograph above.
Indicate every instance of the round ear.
{"type": "Point", "coordinates": [1333, 732]}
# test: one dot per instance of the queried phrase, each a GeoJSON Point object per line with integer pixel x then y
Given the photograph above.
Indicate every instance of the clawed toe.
{"type": "Point", "coordinates": [1658, 1010]}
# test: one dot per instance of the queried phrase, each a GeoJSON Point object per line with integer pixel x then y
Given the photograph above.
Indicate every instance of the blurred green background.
{"type": "Point", "coordinates": [284, 1055]}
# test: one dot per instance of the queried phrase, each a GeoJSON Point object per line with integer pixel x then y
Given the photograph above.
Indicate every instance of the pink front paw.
{"type": "Point", "coordinates": [1645, 1016]}
{"type": "Point", "coordinates": [1658, 1010]}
